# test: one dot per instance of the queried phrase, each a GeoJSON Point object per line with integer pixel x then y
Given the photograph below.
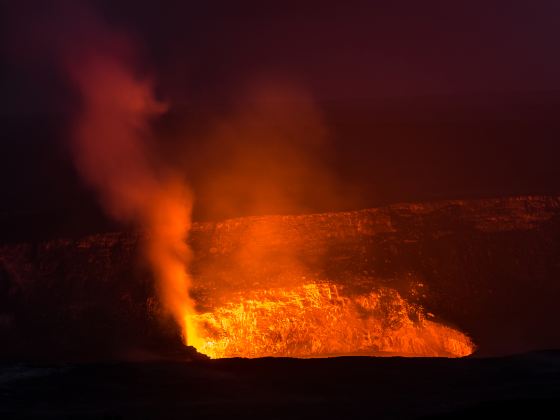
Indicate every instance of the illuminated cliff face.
{"type": "Point", "coordinates": [381, 281]}
{"type": "Point", "coordinates": [280, 307]}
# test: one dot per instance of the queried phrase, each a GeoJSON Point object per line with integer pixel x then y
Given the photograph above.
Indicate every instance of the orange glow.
{"type": "Point", "coordinates": [275, 315]}
{"type": "Point", "coordinates": [111, 151]}
{"type": "Point", "coordinates": [317, 320]}
{"type": "Point", "coordinates": [168, 223]}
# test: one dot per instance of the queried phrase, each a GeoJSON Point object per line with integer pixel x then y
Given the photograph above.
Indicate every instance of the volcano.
{"type": "Point", "coordinates": [421, 279]}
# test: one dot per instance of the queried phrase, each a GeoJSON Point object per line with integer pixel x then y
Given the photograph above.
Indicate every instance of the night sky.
{"type": "Point", "coordinates": [419, 100]}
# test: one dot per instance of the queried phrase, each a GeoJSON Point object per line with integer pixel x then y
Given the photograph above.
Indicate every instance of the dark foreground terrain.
{"type": "Point", "coordinates": [348, 387]}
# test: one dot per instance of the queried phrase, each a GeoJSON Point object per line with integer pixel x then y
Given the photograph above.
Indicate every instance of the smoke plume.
{"type": "Point", "coordinates": [111, 140]}
{"type": "Point", "coordinates": [269, 154]}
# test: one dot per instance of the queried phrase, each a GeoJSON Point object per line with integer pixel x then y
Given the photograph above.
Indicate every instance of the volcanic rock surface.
{"type": "Point", "coordinates": [489, 268]}
{"type": "Point", "coordinates": [521, 386]}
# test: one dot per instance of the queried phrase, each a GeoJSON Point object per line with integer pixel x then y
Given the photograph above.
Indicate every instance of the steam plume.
{"type": "Point", "coordinates": [268, 155]}
{"type": "Point", "coordinates": [110, 146]}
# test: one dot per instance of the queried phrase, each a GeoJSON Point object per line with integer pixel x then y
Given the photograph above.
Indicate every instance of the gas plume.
{"type": "Point", "coordinates": [111, 140]}
{"type": "Point", "coordinates": [269, 154]}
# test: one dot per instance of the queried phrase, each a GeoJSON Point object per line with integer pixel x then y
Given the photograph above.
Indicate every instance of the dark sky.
{"type": "Point", "coordinates": [341, 50]}
{"type": "Point", "coordinates": [422, 99]}
{"type": "Point", "coordinates": [352, 50]}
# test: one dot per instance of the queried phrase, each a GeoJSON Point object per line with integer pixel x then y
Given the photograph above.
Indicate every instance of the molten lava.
{"type": "Point", "coordinates": [317, 319]}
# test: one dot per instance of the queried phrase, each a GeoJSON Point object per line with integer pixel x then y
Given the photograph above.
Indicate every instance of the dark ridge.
{"type": "Point", "coordinates": [362, 387]}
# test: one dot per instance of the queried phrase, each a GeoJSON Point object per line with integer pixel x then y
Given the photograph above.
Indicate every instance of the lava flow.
{"type": "Point", "coordinates": [318, 320]}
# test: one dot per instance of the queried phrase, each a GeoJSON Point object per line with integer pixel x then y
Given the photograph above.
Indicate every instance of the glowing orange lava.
{"type": "Point", "coordinates": [317, 320]}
